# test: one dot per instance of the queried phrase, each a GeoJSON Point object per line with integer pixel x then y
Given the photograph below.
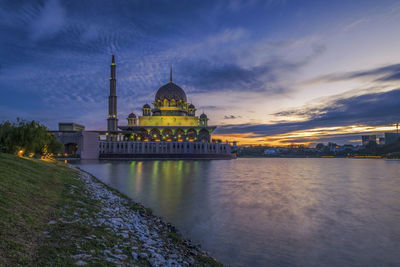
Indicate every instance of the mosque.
{"type": "Point", "coordinates": [169, 129]}
{"type": "Point", "coordinates": [171, 117]}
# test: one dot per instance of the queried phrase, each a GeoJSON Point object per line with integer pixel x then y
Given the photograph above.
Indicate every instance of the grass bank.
{"type": "Point", "coordinates": [49, 215]}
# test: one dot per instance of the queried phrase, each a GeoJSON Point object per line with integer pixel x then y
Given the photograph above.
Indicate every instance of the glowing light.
{"type": "Point", "coordinates": [168, 120]}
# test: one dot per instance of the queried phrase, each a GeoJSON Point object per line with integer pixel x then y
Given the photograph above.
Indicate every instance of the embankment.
{"type": "Point", "coordinates": [51, 214]}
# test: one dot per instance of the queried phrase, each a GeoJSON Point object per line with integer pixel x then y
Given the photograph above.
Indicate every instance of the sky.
{"type": "Point", "coordinates": [275, 72]}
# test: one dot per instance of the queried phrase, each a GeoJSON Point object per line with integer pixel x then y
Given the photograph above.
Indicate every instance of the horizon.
{"type": "Point", "coordinates": [284, 73]}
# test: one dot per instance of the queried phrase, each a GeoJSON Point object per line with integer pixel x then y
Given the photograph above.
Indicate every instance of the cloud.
{"type": "Point", "coordinates": [230, 117]}
{"type": "Point", "coordinates": [370, 109]}
{"type": "Point", "coordinates": [212, 107]}
{"type": "Point", "coordinates": [227, 75]}
{"type": "Point", "coordinates": [384, 73]}
{"type": "Point", "coordinates": [238, 5]}
{"type": "Point", "coordinates": [354, 24]}
{"type": "Point", "coordinates": [59, 48]}
{"type": "Point", "coordinates": [49, 22]}
{"type": "Point", "coordinates": [227, 35]}
{"type": "Point", "coordinates": [205, 75]}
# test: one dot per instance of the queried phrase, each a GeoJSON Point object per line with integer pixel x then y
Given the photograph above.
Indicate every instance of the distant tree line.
{"type": "Point", "coordinates": [252, 151]}
{"type": "Point", "coordinates": [27, 137]}
{"type": "Point", "coordinates": [320, 150]}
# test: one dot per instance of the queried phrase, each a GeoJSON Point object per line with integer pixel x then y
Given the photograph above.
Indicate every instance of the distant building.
{"type": "Point", "coordinates": [381, 140]}
{"type": "Point", "coordinates": [83, 144]}
{"type": "Point", "coordinates": [391, 138]}
{"type": "Point", "coordinates": [271, 152]}
{"type": "Point", "coordinates": [70, 127]}
{"type": "Point", "coordinates": [367, 139]}
{"type": "Point", "coordinates": [333, 147]}
{"type": "Point", "coordinates": [77, 142]}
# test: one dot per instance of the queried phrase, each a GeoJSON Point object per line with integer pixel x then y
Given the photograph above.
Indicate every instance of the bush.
{"type": "Point", "coordinates": [29, 137]}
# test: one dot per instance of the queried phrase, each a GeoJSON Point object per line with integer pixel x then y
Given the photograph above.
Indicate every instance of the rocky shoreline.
{"type": "Point", "coordinates": [143, 239]}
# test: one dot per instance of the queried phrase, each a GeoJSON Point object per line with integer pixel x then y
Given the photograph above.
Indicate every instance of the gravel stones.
{"type": "Point", "coordinates": [142, 237]}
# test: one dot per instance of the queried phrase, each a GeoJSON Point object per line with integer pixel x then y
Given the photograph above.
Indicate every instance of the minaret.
{"type": "Point", "coordinates": [112, 121]}
{"type": "Point", "coordinates": [170, 75]}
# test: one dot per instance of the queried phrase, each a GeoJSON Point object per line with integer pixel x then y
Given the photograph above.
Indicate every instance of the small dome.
{"type": "Point", "coordinates": [146, 106]}
{"type": "Point", "coordinates": [132, 116]}
{"type": "Point", "coordinates": [191, 106]}
{"type": "Point", "coordinates": [171, 91]}
{"type": "Point", "coordinates": [203, 116]}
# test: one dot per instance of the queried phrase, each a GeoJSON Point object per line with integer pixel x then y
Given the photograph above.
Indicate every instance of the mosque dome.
{"type": "Point", "coordinates": [191, 106]}
{"type": "Point", "coordinates": [146, 106]}
{"type": "Point", "coordinates": [132, 115]}
{"type": "Point", "coordinates": [171, 91]}
{"type": "Point", "coordinates": [203, 116]}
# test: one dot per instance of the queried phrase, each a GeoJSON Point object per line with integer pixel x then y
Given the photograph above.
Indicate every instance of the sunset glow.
{"type": "Point", "coordinates": [307, 137]}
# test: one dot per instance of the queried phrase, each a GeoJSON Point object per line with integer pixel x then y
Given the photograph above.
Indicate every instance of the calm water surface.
{"type": "Point", "coordinates": [272, 212]}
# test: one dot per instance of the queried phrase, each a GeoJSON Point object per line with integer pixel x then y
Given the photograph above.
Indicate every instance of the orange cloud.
{"type": "Point", "coordinates": [307, 136]}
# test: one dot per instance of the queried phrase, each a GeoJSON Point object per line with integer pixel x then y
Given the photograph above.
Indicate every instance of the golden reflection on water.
{"type": "Point", "coordinates": [137, 174]}
{"type": "Point", "coordinates": [166, 178]}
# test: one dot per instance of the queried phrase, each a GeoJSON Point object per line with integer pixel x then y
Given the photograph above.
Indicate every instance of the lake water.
{"type": "Point", "coordinates": [272, 212]}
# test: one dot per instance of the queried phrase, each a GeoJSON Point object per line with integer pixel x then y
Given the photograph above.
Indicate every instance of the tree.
{"type": "Point", "coordinates": [320, 146]}
{"type": "Point", "coordinates": [29, 137]}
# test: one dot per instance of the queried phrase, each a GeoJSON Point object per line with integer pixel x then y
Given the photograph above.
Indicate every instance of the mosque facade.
{"type": "Point", "coordinates": [170, 117]}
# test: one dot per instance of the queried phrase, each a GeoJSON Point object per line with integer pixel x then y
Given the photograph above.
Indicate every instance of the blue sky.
{"type": "Point", "coordinates": [264, 71]}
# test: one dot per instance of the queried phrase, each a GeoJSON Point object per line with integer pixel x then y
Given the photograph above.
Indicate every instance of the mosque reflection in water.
{"type": "Point", "coordinates": [162, 185]}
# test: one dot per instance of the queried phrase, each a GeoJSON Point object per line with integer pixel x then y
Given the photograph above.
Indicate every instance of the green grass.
{"type": "Point", "coordinates": [33, 193]}
{"type": "Point", "coordinates": [207, 261]}
{"type": "Point", "coordinates": [30, 191]}
{"type": "Point", "coordinates": [175, 237]}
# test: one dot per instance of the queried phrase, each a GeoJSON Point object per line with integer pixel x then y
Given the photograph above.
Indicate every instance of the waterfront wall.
{"type": "Point", "coordinates": [163, 148]}
{"type": "Point", "coordinates": [86, 145]}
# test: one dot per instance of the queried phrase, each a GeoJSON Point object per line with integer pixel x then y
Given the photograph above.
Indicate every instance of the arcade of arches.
{"type": "Point", "coordinates": [169, 134]}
